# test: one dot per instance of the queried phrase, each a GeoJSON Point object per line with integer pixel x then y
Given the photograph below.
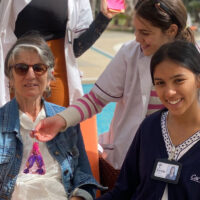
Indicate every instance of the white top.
{"type": "Point", "coordinates": [35, 186]}
{"type": "Point", "coordinates": [126, 81]}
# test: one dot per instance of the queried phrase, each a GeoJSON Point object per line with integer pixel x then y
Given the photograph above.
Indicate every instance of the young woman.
{"type": "Point", "coordinates": [167, 138]}
{"type": "Point", "coordinates": [127, 79]}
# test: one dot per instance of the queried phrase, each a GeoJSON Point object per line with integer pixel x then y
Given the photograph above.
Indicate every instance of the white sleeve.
{"type": "Point", "coordinates": [111, 83]}
{"type": "Point", "coordinates": [84, 17]}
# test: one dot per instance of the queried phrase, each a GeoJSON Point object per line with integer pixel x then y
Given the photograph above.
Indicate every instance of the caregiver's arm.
{"type": "Point", "coordinates": [84, 108]}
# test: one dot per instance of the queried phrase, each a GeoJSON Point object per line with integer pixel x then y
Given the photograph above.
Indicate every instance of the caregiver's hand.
{"type": "Point", "coordinates": [48, 128]}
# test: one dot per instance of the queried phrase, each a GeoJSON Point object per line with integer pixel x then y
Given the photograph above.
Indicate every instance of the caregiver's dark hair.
{"type": "Point", "coordinates": [181, 52]}
{"type": "Point", "coordinates": [163, 13]}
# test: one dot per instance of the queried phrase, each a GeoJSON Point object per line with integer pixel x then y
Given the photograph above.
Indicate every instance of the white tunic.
{"type": "Point", "coordinates": [126, 81]}
{"type": "Point", "coordinates": [34, 186]}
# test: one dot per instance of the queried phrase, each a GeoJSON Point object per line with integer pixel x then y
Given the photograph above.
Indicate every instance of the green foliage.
{"type": "Point", "coordinates": [121, 19]}
{"type": "Point", "coordinates": [194, 5]}
{"type": "Point", "coordinates": [194, 9]}
{"type": "Point", "coordinates": [186, 2]}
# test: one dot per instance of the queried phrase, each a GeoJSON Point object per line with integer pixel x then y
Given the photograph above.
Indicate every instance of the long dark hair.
{"type": "Point", "coordinates": [182, 52]}
{"type": "Point", "coordinates": [163, 13]}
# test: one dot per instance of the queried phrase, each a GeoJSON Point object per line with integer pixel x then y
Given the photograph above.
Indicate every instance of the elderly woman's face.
{"type": "Point", "coordinates": [30, 85]}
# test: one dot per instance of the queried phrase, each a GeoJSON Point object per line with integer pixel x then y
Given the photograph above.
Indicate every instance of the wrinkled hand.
{"type": "Point", "coordinates": [48, 128]}
{"type": "Point", "coordinates": [104, 9]}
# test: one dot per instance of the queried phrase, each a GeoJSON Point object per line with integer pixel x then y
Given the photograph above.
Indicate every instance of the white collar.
{"type": "Point", "coordinates": [27, 123]}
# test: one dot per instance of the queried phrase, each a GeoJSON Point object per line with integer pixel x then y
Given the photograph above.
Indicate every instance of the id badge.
{"type": "Point", "coordinates": [166, 170]}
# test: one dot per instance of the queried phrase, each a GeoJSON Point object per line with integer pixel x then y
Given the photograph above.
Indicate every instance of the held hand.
{"type": "Point", "coordinates": [48, 128]}
{"type": "Point", "coordinates": [104, 9]}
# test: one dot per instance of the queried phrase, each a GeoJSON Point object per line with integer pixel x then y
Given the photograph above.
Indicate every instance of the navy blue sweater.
{"type": "Point", "coordinates": [135, 183]}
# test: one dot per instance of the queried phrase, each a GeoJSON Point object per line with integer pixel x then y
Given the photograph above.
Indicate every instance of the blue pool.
{"type": "Point", "coordinates": [104, 118]}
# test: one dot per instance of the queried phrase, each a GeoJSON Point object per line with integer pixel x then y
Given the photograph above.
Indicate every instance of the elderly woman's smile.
{"type": "Point", "coordinates": [30, 85]}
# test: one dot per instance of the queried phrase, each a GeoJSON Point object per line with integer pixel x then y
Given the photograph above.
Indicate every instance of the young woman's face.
{"type": "Point", "coordinates": [149, 37]}
{"type": "Point", "coordinates": [177, 87]}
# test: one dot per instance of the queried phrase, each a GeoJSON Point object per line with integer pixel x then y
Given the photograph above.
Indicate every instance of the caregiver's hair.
{"type": "Point", "coordinates": [181, 52]}
{"type": "Point", "coordinates": [163, 13]}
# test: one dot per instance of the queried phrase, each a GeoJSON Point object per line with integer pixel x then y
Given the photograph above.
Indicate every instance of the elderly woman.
{"type": "Point", "coordinates": [65, 168]}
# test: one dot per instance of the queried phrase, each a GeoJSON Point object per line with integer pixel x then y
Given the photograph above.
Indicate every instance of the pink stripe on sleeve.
{"type": "Point", "coordinates": [155, 106]}
{"type": "Point", "coordinates": [80, 111]}
{"type": "Point", "coordinates": [97, 101]}
{"type": "Point", "coordinates": [87, 106]}
{"type": "Point", "coordinates": [87, 96]}
{"type": "Point", "coordinates": [153, 93]}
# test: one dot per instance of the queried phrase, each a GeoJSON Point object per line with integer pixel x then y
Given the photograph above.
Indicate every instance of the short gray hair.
{"type": "Point", "coordinates": [30, 42]}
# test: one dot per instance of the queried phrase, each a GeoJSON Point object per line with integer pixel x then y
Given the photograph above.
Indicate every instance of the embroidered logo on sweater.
{"type": "Point", "coordinates": [195, 178]}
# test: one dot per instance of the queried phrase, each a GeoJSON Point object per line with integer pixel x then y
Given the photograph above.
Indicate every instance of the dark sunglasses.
{"type": "Point", "coordinates": [22, 68]}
